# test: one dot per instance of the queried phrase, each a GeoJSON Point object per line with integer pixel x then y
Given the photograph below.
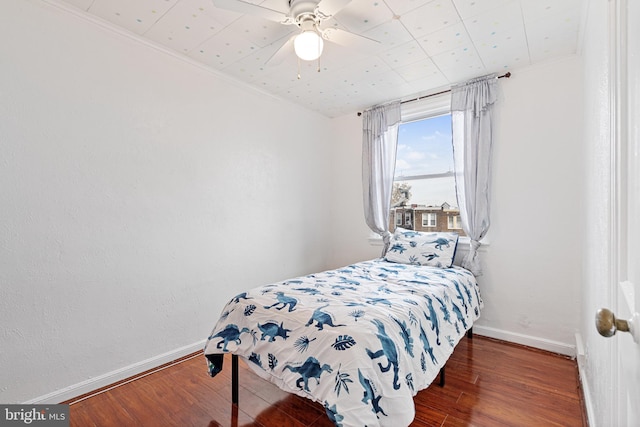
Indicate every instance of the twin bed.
{"type": "Point", "coordinates": [362, 340]}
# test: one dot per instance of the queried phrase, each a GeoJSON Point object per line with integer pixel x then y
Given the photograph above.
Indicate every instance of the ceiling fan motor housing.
{"type": "Point", "coordinates": [303, 11]}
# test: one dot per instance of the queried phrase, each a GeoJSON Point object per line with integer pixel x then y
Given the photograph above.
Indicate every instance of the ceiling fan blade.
{"type": "Point", "coordinates": [350, 40]}
{"type": "Point", "coordinates": [331, 7]}
{"type": "Point", "coordinates": [244, 7]}
{"type": "Point", "coordinates": [284, 51]}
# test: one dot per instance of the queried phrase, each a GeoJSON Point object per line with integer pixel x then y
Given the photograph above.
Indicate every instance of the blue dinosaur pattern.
{"type": "Point", "coordinates": [433, 318]}
{"type": "Point", "coordinates": [321, 318]}
{"type": "Point", "coordinates": [311, 368]}
{"type": "Point", "coordinates": [388, 351]}
{"type": "Point", "coordinates": [352, 338]}
{"type": "Point", "coordinates": [273, 330]}
{"type": "Point", "coordinates": [370, 396]}
{"type": "Point", "coordinates": [440, 243]}
{"type": "Point", "coordinates": [231, 333]}
{"type": "Point", "coordinates": [282, 301]}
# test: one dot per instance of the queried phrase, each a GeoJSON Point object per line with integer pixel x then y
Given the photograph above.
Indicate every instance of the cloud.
{"type": "Point", "coordinates": [416, 155]}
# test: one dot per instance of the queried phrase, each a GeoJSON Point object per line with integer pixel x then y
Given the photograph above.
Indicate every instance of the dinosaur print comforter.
{"type": "Point", "coordinates": [362, 340]}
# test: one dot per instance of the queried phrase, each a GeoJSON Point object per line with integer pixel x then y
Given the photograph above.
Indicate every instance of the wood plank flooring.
{"type": "Point", "coordinates": [488, 383]}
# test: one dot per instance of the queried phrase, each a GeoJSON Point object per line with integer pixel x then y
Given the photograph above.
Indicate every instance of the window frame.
{"type": "Point", "coordinates": [425, 109]}
{"type": "Point", "coordinates": [430, 217]}
{"type": "Point", "coordinates": [428, 107]}
{"type": "Point", "coordinates": [408, 217]}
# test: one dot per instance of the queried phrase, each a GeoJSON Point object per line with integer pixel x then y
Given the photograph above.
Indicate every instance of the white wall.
{"type": "Point", "coordinates": [532, 268]}
{"type": "Point", "coordinates": [139, 193]}
{"type": "Point", "coordinates": [531, 287]}
{"type": "Point", "coordinates": [349, 232]}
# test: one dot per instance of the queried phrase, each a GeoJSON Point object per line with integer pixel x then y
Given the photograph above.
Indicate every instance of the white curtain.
{"type": "Point", "coordinates": [379, 142]}
{"type": "Point", "coordinates": [471, 116]}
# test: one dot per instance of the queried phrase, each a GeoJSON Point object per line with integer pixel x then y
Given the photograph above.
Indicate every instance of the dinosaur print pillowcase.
{"type": "Point", "coordinates": [417, 248]}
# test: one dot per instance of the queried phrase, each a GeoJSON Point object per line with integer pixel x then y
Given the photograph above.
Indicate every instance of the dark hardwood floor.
{"type": "Point", "coordinates": [488, 383]}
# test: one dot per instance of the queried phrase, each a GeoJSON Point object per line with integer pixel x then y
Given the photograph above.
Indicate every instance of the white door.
{"type": "Point", "coordinates": [626, 66]}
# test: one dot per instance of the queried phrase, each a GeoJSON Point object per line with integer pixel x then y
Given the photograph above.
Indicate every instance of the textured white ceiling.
{"type": "Point", "coordinates": [424, 45]}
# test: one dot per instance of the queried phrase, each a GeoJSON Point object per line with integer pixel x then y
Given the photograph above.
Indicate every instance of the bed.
{"type": "Point", "coordinates": [363, 339]}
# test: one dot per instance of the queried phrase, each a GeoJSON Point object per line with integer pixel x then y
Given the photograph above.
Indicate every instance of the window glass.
{"type": "Point", "coordinates": [428, 220]}
{"type": "Point", "coordinates": [424, 185]}
{"type": "Point", "coordinates": [424, 147]}
{"type": "Point", "coordinates": [454, 222]}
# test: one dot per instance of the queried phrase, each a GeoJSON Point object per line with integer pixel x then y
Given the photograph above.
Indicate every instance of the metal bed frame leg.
{"type": "Point", "coordinates": [234, 379]}
{"type": "Point", "coordinates": [442, 376]}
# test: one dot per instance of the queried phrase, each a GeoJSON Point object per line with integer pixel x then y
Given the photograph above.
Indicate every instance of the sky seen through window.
{"type": "Point", "coordinates": [424, 148]}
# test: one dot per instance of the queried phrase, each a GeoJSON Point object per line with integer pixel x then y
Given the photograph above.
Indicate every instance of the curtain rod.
{"type": "Point", "coordinates": [506, 75]}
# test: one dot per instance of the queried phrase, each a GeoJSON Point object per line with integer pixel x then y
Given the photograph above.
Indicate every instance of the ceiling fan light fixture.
{"type": "Point", "coordinates": [308, 45]}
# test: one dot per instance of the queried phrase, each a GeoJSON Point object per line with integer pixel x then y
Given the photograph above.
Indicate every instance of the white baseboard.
{"type": "Point", "coordinates": [112, 377]}
{"type": "Point", "coordinates": [586, 391]}
{"type": "Point", "coordinates": [528, 340]}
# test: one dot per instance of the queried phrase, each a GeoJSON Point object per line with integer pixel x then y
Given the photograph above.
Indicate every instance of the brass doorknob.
{"type": "Point", "coordinates": [607, 324]}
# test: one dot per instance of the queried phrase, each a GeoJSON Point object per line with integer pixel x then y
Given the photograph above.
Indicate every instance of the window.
{"type": "Point", "coordinates": [454, 222]}
{"type": "Point", "coordinates": [407, 219]}
{"type": "Point", "coordinates": [428, 219]}
{"type": "Point", "coordinates": [424, 177]}
{"type": "Point", "coordinates": [398, 216]}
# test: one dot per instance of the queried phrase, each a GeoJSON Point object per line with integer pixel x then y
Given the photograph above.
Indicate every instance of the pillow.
{"type": "Point", "coordinates": [418, 248]}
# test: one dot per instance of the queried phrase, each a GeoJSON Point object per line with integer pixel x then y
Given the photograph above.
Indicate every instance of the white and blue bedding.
{"type": "Point", "coordinates": [362, 340]}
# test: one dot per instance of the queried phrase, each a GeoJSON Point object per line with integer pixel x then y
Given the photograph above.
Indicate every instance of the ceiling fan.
{"type": "Point", "coordinates": [308, 16]}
